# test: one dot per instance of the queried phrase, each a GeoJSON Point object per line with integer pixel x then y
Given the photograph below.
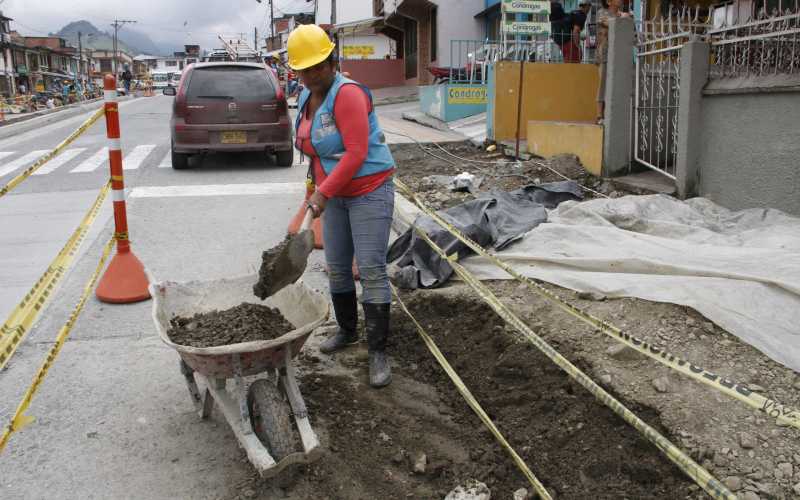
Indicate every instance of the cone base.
{"type": "Point", "coordinates": [124, 281]}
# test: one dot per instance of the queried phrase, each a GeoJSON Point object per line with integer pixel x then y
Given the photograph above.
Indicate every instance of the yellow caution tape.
{"type": "Point", "coordinates": [20, 420]}
{"type": "Point", "coordinates": [25, 313]}
{"type": "Point", "coordinates": [52, 154]}
{"type": "Point", "coordinates": [693, 470]}
{"type": "Point", "coordinates": [783, 414]}
{"type": "Point", "coordinates": [472, 402]}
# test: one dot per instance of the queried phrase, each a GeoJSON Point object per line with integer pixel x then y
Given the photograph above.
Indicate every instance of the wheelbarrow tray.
{"type": "Point", "coordinates": [303, 308]}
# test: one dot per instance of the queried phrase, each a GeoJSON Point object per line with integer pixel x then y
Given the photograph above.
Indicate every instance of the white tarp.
{"type": "Point", "coordinates": [739, 269]}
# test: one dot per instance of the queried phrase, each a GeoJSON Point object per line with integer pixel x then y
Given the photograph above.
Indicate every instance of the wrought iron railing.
{"type": "Point", "coordinates": [760, 46]}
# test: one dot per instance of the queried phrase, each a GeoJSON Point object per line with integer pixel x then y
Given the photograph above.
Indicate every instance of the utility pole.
{"type": "Point", "coordinates": [333, 25]}
{"type": "Point", "coordinates": [80, 57]}
{"type": "Point", "coordinates": [117, 24]}
{"type": "Point", "coordinates": [255, 38]}
{"type": "Point", "coordinates": [271, 22]}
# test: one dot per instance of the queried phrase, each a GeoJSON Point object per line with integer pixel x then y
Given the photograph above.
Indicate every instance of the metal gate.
{"type": "Point", "coordinates": [658, 83]}
{"type": "Point", "coordinates": [658, 62]}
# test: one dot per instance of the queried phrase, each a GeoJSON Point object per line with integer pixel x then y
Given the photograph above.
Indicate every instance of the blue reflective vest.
{"type": "Point", "coordinates": [327, 140]}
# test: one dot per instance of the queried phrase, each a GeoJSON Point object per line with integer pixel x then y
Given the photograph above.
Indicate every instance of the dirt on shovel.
{"type": "Point", "coordinates": [283, 264]}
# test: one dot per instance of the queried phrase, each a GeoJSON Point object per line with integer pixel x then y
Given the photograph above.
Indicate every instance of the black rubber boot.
{"type": "Point", "coordinates": [345, 305]}
{"type": "Point", "coordinates": [377, 321]}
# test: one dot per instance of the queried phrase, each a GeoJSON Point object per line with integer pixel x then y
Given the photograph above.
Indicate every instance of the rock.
{"type": "Point", "coordinates": [249, 493]}
{"type": "Point", "coordinates": [796, 489]}
{"type": "Point", "coordinates": [690, 322]}
{"type": "Point", "coordinates": [749, 495]}
{"type": "Point", "coordinates": [720, 460]}
{"type": "Point", "coordinates": [420, 463]}
{"type": "Point", "coordinates": [399, 457]}
{"type": "Point", "coordinates": [747, 441]}
{"type": "Point", "coordinates": [733, 483]}
{"type": "Point", "coordinates": [661, 384]}
{"type": "Point", "coordinates": [605, 379]}
{"type": "Point", "coordinates": [708, 326]}
{"type": "Point", "coordinates": [521, 494]}
{"type": "Point", "coordinates": [755, 388]}
{"type": "Point", "coordinates": [787, 469]}
{"type": "Point", "coordinates": [599, 297]}
{"type": "Point", "coordinates": [796, 384]}
{"type": "Point", "coordinates": [622, 352]}
{"type": "Point", "coordinates": [757, 475]}
{"type": "Point", "coordinates": [384, 437]}
{"type": "Point", "coordinates": [473, 490]}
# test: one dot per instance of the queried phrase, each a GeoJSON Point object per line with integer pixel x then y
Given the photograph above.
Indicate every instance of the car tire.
{"type": "Point", "coordinates": [284, 158]}
{"type": "Point", "coordinates": [180, 161]}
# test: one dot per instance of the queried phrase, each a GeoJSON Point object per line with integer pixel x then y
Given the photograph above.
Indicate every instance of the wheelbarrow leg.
{"type": "Point", "coordinates": [241, 393]}
{"type": "Point", "coordinates": [205, 403]}
{"type": "Point", "coordinates": [307, 434]}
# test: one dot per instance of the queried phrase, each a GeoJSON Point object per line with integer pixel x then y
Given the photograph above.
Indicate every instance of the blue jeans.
{"type": "Point", "coordinates": [359, 226]}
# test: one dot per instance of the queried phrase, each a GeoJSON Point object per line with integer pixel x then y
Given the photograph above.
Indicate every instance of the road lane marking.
{"type": "Point", "coordinates": [136, 157]}
{"type": "Point", "coordinates": [59, 160]}
{"type": "Point", "coordinates": [93, 162]}
{"type": "Point", "coordinates": [217, 190]}
{"type": "Point", "coordinates": [166, 162]}
{"type": "Point", "coordinates": [22, 161]}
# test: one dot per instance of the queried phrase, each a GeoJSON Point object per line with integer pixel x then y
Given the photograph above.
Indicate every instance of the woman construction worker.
{"type": "Point", "coordinates": [352, 168]}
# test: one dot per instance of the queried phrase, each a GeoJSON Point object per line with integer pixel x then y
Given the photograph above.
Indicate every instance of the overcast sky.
{"type": "Point", "coordinates": [162, 20]}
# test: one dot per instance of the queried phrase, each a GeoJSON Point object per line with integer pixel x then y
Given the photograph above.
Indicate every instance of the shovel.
{"type": "Point", "coordinates": [283, 264]}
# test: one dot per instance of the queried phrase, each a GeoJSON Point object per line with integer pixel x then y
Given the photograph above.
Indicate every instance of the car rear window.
{"type": "Point", "coordinates": [231, 82]}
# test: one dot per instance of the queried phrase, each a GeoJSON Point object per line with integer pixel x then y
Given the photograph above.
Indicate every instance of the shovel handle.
{"type": "Point", "coordinates": [307, 218]}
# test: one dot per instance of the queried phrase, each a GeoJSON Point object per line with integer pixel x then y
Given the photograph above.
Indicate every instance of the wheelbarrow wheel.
{"type": "Point", "coordinates": [271, 416]}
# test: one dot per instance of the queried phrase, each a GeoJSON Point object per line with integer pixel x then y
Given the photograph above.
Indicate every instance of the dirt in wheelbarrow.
{"type": "Point", "coordinates": [417, 438]}
{"type": "Point", "coordinates": [243, 323]}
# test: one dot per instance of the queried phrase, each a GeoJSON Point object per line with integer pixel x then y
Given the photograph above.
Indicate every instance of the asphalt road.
{"type": "Point", "coordinates": [113, 418]}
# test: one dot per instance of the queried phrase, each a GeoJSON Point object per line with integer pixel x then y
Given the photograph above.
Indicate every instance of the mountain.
{"type": "Point", "coordinates": [131, 41]}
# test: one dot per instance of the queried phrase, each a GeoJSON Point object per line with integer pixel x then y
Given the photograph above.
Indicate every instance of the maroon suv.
{"type": "Point", "coordinates": [229, 107]}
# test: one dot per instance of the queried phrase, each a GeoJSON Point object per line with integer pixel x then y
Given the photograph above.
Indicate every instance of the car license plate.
{"type": "Point", "coordinates": [234, 137]}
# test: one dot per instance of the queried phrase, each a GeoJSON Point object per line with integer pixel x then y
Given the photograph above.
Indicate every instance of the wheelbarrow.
{"type": "Point", "coordinates": [261, 412]}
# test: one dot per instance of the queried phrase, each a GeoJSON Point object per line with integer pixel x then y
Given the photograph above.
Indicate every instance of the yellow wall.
{"type": "Point", "coordinates": [551, 92]}
{"type": "Point", "coordinates": [585, 140]}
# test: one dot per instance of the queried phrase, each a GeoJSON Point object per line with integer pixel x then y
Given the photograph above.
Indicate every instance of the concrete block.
{"type": "Point", "coordinates": [585, 140]}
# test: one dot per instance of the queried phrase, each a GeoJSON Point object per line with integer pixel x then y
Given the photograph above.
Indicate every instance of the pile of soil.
{"type": "Point", "coordinates": [418, 168]}
{"type": "Point", "coordinates": [417, 438]}
{"type": "Point", "coordinates": [242, 323]}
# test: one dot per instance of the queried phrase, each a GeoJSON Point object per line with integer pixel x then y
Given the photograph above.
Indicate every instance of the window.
{"type": "Point", "coordinates": [231, 82]}
{"type": "Point", "coordinates": [171, 64]}
{"type": "Point", "coordinates": [434, 33]}
{"type": "Point", "coordinates": [105, 65]}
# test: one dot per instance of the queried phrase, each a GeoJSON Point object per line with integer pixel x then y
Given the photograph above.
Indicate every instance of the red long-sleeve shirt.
{"type": "Point", "coordinates": [351, 112]}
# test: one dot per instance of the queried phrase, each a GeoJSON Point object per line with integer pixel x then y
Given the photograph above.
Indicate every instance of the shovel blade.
{"type": "Point", "coordinates": [284, 264]}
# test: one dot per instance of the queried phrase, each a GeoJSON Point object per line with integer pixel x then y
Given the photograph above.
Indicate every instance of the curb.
{"type": "Point", "coordinates": [34, 121]}
{"type": "Point", "coordinates": [382, 101]}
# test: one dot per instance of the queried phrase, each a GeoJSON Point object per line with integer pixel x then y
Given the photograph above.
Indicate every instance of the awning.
{"type": "Point", "coordinates": [275, 53]}
{"type": "Point", "coordinates": [360, 26]}
{"type": "Point", "coordinates": [488, 11]}
{"type": "Point", "coordinates": [57, 75]}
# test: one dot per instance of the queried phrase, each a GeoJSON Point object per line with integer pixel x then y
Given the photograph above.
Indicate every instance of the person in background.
{"type": "Point", "coordinates": [65, 92]}
{"type": "Point", "coordinates": [571, 49]}
{"type": "Point", "coordinates": [352, 167]}
{"type": "Point", "coordinates": [126, 79]}
{"type": "Point", "coordinates": [23, 89]}
{"type": "Point", "coordinates": [611, 9]}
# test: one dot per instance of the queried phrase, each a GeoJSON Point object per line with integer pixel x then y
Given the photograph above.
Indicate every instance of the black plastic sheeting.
{"type": "Point", "coordinates": [493, 220]}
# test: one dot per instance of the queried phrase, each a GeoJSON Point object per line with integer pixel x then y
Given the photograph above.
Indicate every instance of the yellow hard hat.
{"type": "Point", "coordinates": [308, 45]}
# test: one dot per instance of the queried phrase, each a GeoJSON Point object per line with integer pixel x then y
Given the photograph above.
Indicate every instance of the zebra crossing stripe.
{"type": "Point", "coordinates": [136, 157]}
{"type": "Point", "coordinates": [59, 160]}
{"type": "Point", "coordinates": [90, 164]}
{"type": "Point", "coordinates": [166, 162]}
{"type": "Point", "coordinates": [22, 161]}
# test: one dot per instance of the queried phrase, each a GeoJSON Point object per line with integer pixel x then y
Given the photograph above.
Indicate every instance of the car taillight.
{"type": "Point", "coordinates": [179, 107]}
